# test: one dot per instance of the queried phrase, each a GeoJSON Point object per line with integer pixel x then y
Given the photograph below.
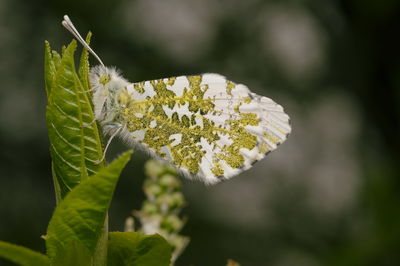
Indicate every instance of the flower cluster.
{"type": "Point", "coordinates": [160, 211]}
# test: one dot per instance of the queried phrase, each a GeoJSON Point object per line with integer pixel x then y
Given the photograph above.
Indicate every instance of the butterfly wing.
{"type": "Point", "coordinates": [205, 125]}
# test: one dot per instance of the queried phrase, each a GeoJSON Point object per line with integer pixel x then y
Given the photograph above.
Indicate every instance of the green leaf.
{"type": "Point", "coordinates": [84, 65]}
{"type": "Point", "coordinates": [75, 142]}
{"type": "Point", "coordinates": [92, 151]}
{"type": "Point", "coordinates": [65, 125]}
{"type": "Point", "coordinates": [49, 68]}
{"type": "Point", "coordinates": [57, 187]}
{"type": "Point", "coordinates": [56, 59]}
{"type": "Point", "coordinates": [132, 248]}
{"type": "Point", "coordinates": [21, 255]}
{"type": "Point", "coordinates": [74, 253]}
{"type": "Point", "coordinates": [81, 215]}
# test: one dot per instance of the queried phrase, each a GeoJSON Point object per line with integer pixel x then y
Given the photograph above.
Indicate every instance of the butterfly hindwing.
{"type": "Point", "coordinates": [205, 125]}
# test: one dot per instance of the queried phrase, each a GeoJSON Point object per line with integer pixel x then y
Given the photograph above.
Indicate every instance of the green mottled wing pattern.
{"type": "Point", "coordinates": [205, 125]}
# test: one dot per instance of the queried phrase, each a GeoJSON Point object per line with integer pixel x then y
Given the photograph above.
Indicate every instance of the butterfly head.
{"type": "Point", "coordinates": [106, 79]}
{"type": "Point", "coordinates": [105, 83]}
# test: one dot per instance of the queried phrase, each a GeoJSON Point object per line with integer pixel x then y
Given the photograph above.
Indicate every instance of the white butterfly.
{"type": "Point", "coordinates": [205, 125]}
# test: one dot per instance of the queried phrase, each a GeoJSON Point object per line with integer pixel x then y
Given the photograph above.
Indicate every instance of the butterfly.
{"type": "Point", "coordinates": [208, 127]}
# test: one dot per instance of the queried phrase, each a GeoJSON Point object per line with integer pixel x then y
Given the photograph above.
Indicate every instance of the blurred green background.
{"type": "Point", "coordinates": [330, 195]}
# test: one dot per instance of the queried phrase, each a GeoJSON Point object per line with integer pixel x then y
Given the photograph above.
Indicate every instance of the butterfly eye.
{"type": "Point", "coordinates": [104, 79]}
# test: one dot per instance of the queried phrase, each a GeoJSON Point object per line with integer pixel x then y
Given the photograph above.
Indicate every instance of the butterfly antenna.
{"type": "Point", "coordinates": [67, 23]}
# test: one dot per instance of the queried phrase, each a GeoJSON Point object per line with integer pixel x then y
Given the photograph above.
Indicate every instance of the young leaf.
{"type": "Point", "coordinates": [93, 150]}
{"type": "Point", "coordinates": [57, 187]}
{"type": "Point", "coordinates": [132, 248]}
{"type": "Point", "coordinates": [49, 68]}
{"type": "Point", "coordinates": [84, 65]}
{"type": "Point", "coordinates": [22, 256]}
{"type": "Point", "coordinates": [75, 141]}
{"type": "Point", "coordinates": [65, 124]}
{"type": "Point", "coordinates": [56, 59]}
{"type": "Point", "coordinates": [80, 216]}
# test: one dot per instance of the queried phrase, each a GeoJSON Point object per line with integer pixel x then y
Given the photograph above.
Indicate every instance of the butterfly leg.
{"type": "Point", "coordinates": [89, 124]}
{"type": "Point", "coordinates": [91, 90]}
{"type": "Point", "coordinates": [116, 127]}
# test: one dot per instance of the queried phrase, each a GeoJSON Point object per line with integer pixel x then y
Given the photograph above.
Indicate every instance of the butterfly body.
{"type": "Point", "coordinates": [206, 126]}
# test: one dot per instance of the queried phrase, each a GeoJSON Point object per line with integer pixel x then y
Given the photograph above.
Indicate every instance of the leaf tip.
{"type": "Point", "coordinates": [47, 47]}
{"type": "Point", "coordinates": [126, 156]}
{"type": "Point", "coordinates": [88, 37]}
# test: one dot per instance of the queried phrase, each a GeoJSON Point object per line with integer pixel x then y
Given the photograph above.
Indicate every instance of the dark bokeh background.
{"type": "Point", "coordinates": [329, 196]}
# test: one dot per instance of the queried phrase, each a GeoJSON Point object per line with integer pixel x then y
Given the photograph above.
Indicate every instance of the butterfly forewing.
{"type": "Point", "coordinates": [205, 125]}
